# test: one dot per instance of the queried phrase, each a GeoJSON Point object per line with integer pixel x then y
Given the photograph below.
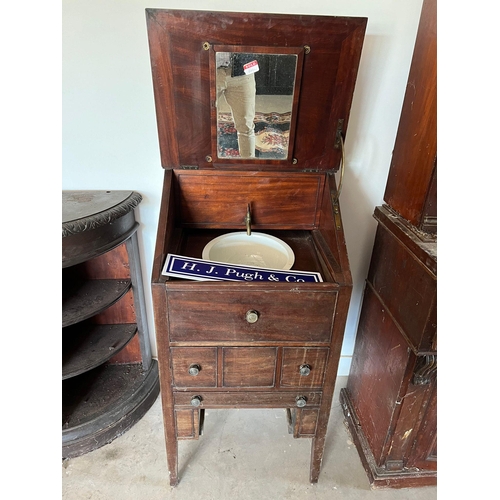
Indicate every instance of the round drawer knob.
{"type": "Point", "coordinates": [194, 370]}
{"type": "Point", "coordinates": [301, 401]}
{"type": "Point", "coordinates": [252, 316]}
{"type": "Point", "coordinates": [305, 370]}
{"type": "Point", "coordinates": [196, 401]}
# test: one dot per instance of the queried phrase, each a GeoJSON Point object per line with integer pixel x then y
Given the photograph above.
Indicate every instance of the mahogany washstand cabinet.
{"type": "Point", "coordinates": [229, 344]}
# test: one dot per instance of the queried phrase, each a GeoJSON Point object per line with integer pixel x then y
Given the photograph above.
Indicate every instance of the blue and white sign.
{"type": "Point", "coordinates": [178, 266]}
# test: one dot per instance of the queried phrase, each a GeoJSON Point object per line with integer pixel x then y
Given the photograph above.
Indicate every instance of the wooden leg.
{"type": "Point", "coordinates": [171, 443]}
{"type": "Point", "coordinates": [317, 449]}
{"type": "Point", "coordinates": [319, 439]}
{"type": "Point", "coordinates": [167, 397]}
{"type": "Point", "coordinates": [173, 461]}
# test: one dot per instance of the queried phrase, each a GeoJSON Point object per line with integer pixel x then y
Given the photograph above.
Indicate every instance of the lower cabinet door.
{"type": "Point", "coordinates": [187, 423]}
{"type": "Point", "coordinates": [302, 422]}
{"type": "Point", "coordinates": [249, 366]}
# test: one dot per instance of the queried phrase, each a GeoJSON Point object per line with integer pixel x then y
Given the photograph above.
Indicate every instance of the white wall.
{"type": "Point", "coordinates": [110, 140]}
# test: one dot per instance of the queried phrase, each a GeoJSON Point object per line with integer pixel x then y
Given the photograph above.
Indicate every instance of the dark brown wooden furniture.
{"type": "Point", "coordinates": [210, 355]}
{"type": "Point", "coordinates": [109, 377]}
{"type": "Point", "coordinates": [411, 188]}
{"type": "Point", "coordinates": [390, 400]}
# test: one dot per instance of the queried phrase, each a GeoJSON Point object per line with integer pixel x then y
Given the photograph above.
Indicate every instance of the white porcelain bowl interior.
{"type": "Point", "coordinates": [256, 250]}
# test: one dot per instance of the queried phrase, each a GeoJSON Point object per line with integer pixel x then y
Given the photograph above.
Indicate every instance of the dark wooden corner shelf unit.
{"type": "Point", "coordinates": [109, 377]}
{"type": "Point", "coordinates": [210, 355]}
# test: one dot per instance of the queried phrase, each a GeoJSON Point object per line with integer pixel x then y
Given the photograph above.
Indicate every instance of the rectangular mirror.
{"type": "Point", "coordinates": [255, 92]}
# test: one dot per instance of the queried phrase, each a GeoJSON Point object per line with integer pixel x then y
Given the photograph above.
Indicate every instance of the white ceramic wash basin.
{"type": "Point", "coordinates": [257, 250]}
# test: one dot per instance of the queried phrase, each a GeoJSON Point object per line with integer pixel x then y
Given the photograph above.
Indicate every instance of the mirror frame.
{"type": "Point", "coordinates": [180, 48]}
{"type": "Point", "coordinates": [299, 52]}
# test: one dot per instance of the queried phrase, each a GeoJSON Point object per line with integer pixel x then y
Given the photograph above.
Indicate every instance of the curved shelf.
{"type": "Point", "coordinates": [88, 210]}
{"type": "Point", "coordinates": [116, 397]}
{"type": "Point", "coordinates": [86, 346]}
{"type": "Point", "coordinates": [83, 299]}
{"type": "Point", "coordinates": [102, 283]}
{"type": "Point", "coordinates": [94, 222]}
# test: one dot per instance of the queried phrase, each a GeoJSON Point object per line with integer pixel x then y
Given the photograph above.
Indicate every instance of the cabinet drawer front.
{"type": "Point", "coordinates": [305, 316]}
{"type": "Point", "coordinates": [249, 366]}
{"type": "Point", "coordinates": [242, 399]}
{"type": "Point", "coordinates": [311, 360]}
{"type": "Point", "coordinates": [203, 364]}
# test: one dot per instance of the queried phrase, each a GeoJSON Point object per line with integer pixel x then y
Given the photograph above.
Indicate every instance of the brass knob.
{"type": "Point", "coordinates": [252, 316]}
{"type": "Point", "coordinates": [301, 401]}
{"type": "Point", "coordinates": [196, 401]}
{"type": "Point", "coordinates": [305, 370]}
{"type": "Point", "coordinates": [194, 370]}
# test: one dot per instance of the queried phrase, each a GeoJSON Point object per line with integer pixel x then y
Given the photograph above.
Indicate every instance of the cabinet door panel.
{"type": "Point", "coordinates": [306, 421]}
{"type": "Point", "coordinates": [249, 366]}
{"type": "Point", "coordinates": [406, 286]}
{"type": "Point", "coordinates": [424, 452]}
{"type": "Point", "coordinates": [187, 424]}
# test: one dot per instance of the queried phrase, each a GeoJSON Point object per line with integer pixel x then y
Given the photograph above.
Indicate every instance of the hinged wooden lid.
{"type": "Point", "coordinates": [323, 53]}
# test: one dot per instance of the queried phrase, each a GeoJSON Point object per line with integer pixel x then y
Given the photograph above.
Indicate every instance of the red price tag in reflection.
{"type": "Point", "coordinates": [251, 67]}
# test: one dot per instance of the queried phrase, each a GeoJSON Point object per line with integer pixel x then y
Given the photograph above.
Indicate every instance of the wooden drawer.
{"type": "Point", "coordinates": [251, 367]}
{"type": "Point", "coordinates": [284, 316]}
{"type": "Point", "coordinates": [247, 399]}
{"type": "Point", "coordinates": [303, 367]}
{"type": "Point", "coordinates": [203, 364]}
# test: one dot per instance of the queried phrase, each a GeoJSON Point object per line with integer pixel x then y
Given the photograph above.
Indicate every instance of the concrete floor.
{"type": "Point", "coordinates": [243, 454]}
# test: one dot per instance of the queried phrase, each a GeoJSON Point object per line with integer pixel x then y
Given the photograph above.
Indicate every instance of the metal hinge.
{"type": "Point", "coordinates": [338, 133]}
{"type": "Point", "coordinates": [190, 167]}
{"type": "Point", "coordinates": [336, 213]}
{"type": "Point", "coordinates": [425, 370]}
{"type": "Point", "coordinates": [311, 170]}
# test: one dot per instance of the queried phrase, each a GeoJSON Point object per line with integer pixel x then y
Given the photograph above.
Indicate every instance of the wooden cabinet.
{"type": "Point", "coordinates": [226, 344]}
{"type": "Point", "coordinates": [390, 398]}
{"type": "Point", "coordinates": [391, 395]}
{"type": "Point", "coordinates": [411, 188]}
{"type": "Point", "coordinates": [109, 377]}
{"type": "Point", "coordinates": [287, 359]}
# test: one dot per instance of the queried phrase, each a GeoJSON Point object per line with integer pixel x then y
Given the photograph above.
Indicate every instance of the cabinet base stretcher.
{"type": "Point", "coordinates": [187, 421]}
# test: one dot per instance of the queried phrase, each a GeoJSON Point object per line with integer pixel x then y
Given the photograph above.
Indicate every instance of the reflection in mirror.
{"type": "Point", "coordinates": [254, 104]}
